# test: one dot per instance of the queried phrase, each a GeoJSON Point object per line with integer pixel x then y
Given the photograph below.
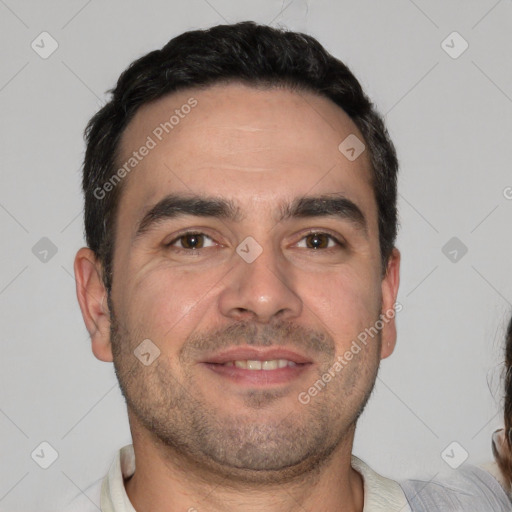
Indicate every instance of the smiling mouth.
{"type": "Point", "coordinates": [258, 367]}
{"type": "Point", "coordinates": [253, 373]}
{"type": "Point", "coordinates": [254, 364]}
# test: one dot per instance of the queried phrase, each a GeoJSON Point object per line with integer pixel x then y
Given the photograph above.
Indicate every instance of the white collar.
{"type": "Point", "coordinates": [380, 494]}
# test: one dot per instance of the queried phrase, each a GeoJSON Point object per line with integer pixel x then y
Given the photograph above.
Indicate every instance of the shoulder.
{"type": "Point", "coordinates": [468, 488]}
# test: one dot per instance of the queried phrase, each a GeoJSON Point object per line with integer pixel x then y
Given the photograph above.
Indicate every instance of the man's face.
{"type": "Point", "coordinates": [211, 301]}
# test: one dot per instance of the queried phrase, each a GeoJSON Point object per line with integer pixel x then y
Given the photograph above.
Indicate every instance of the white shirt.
{"type": "Point", "coordinates": [109, 494]}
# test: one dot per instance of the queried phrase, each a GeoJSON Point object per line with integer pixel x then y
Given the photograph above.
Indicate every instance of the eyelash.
{"type": "Point", "coordinates": [190, 251]}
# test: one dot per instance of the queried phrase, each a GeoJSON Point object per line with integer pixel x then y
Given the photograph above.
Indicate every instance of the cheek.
{"type": "Point", "coordinates": [345, 301]}
{"type": "Point", "coordinates": [168, 304]}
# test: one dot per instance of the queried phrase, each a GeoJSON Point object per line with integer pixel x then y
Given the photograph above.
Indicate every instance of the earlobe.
{"type": "Point", "coordinates": [92, 297]}
{"type": "Point", "coordinates": [390, 285]}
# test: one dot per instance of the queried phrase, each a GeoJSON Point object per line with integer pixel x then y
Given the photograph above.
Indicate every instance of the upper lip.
{"type": "Point", "coordinates": [255, 354]}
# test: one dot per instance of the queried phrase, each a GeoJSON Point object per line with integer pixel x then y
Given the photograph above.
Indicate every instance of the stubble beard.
{"type": "Point", "coordinates": [242, 447]}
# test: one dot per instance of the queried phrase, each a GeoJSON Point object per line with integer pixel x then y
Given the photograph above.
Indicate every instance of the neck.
{"type": "Point", "coordinates": [167, 481]}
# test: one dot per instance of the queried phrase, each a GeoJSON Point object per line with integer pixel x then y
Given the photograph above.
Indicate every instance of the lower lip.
{"type": "Point", "coordinates": [259, 377]}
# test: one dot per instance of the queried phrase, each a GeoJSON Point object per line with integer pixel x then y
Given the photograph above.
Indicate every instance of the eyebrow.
{"type": "Point", "coordinates": [325, 205]}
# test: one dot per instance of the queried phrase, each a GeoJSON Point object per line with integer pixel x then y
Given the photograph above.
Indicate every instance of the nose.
{"type": "Point", "coordinates": [260, 290]}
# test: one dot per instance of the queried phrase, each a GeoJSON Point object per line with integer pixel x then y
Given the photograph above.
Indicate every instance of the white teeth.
{"type": "Point", "coordinates": [251, 364]}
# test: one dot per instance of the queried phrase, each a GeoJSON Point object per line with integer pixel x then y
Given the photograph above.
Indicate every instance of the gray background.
{"type": "Point", "coordinates": [450, 119]}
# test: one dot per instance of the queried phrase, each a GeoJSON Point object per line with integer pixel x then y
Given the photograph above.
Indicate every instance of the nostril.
{"type": "Point", "coordinates": [244, 312]}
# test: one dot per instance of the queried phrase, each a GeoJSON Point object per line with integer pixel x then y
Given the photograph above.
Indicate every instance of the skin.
{"type": "Point", "coordinates": [201, 440]}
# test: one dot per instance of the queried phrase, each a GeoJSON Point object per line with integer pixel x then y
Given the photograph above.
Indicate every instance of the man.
{"type": "Point", "coordinates": [241, 274]}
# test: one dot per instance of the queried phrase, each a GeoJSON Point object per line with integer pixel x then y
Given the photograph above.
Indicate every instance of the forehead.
{"type": "Point", "coordinates": [252, 145]}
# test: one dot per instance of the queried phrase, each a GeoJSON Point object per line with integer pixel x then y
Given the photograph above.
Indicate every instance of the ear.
{"type": "Point", "coordinates": [390, 284]}
{"type": "Point", "coordinates": [92, 297]}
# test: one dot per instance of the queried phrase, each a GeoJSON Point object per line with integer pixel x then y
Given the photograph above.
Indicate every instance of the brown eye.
{"type": "Point", "coordinates": [320, 241]}
{"type": "Point", "coordinates": [317, 241]}
{"type": "Point", "coordinates": [189, 241]}
{"type": "Point", "coordinates": [192, 241]}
